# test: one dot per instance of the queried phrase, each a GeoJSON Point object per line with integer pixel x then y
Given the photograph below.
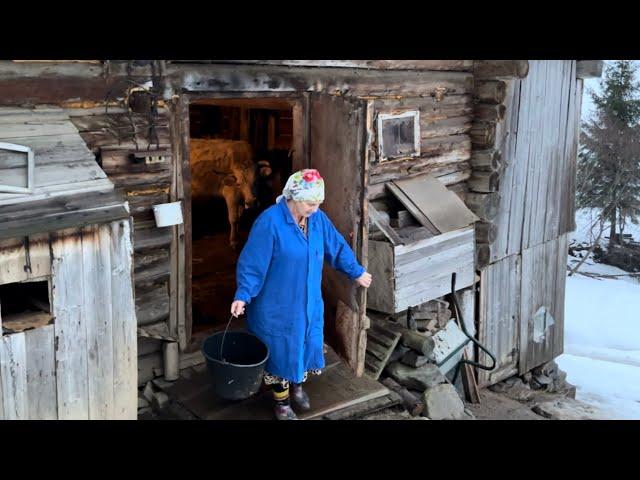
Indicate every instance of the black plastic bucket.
{"type": "Point", "coordinates": [237, 373]}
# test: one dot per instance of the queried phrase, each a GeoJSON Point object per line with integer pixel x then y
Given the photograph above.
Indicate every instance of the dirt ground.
{"type": "Point", "coordinates": [497, 406]}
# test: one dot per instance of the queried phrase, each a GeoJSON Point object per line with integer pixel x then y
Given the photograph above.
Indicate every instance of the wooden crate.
{"type": "Point", "coordinates": [408, 275]}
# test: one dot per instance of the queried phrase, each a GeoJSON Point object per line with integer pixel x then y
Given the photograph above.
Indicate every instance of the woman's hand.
{"type": "Point", "coordinates": [237, 308]}
{"type": "Point", "coordinates": [364, 280]}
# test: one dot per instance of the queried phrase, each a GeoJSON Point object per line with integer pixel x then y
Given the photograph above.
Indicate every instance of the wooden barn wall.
{"type": "Point", "coordinates": [445, 146]}
{"type": "Point", "coordinates": [538, 149]}
{"type": "Point", "coordinates": [83, 365]}
{"type": "Point", "coordinates": [533, 188]}
{"type": "Point", "coordinates": [544, 275]}
{"type": "Point", "coordinates": [499, 310]}
{"type": "Point", "coordinates": [110, 135]}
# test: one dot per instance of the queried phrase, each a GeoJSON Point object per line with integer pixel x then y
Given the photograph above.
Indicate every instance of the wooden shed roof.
{"type": "Point", "coordinates": [63, 163]}
{"type": "Point", "coordinates": [69, 188]}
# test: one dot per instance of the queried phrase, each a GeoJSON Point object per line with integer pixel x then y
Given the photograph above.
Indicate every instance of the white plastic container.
{"type": "Point", "coordinates": [168, 214]}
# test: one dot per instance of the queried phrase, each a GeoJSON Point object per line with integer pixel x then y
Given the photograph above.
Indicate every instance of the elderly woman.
{"type": "Point", "coordinates": [279, 276]}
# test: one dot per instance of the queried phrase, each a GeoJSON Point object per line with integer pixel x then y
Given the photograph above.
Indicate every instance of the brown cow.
{"type": "Point", "coordinates": [225, 168]}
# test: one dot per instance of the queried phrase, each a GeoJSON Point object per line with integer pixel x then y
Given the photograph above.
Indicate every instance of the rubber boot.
{"type": "Point", "coordinates": [300, 398]}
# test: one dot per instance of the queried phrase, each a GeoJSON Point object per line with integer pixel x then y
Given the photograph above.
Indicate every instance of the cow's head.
{"type": "Point", "coordinates": [243, 180]}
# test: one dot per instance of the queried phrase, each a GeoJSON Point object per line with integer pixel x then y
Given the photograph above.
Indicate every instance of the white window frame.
{"type": "Point", "coordinates": [416, 133]}
{"type": "Point", "coordinates": [30, 169]}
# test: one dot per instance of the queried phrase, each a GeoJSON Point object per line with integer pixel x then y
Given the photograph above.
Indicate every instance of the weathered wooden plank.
{"type": "Point", "coordinates": [443, 208]}
{"type": "Point", "coordinates": [13, 258]}
{"type": "Point", "coordinates": [500, 68]}
{"type": "Point", "coordinates": [41, 373]}
{"type": "Point", "coordinates": [456, 65]}
{"type": "Point", "coordinates": [380, 294]}
{"type": "Point", "coordinates": [566, 220]}
{"type": "Point", "coordinates": [498, 322]}
{"type": "Point", "coordinates": [422, 249]}
{"type": "Point", "coordinates": [63, 189]}
{"type": "Point", "coordinates": [490, 91]}
{"type": "Point", "coordinates": [97, 318]}
{"type": "Point", "coordinates": [442, 127]}
{"type": "Point", "coordinates": [559, 292]}
{"type": "Point", "coordinates": [52, 128]}
{"type": "Point", "coordinates": [589, 68]}
{"type": "Point", "coordinates": [350, 82]}
{"type": "Point", "coordinates": [51, 149]}
{"type": "Point", "coordinates": [490, 113]}
{"type": "Point", "coordinates": [153, 306]}
{"type": "Point", "coordinates": [519, 162]}
{"type": "Point", "coordinates": [382, 224]}
{"type": "Point", "coordinates": [440, 264]}
{"type": "Point", "coordinates": [125, 376]}
{"type": "Point", "coordinates": [484, 205]}
{"type": "Point", "coordinates": [56, 174]}
{"type": "Point", "coordinates": [69, 327]}
{"type": "Point", "coordinates": [542, 334]}
{"type": "Point", "coordinates": [14, 376]}
{"type": "Point", "coordinates": [433, 164]}
{"type": "Point", "coordinates": [60, 220]}
{"type": "Point", "coordinates": [152, 238]}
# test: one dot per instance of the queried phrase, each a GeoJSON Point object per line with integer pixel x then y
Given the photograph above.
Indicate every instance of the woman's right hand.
{"type": "Point", "coordinates": [237, 308]}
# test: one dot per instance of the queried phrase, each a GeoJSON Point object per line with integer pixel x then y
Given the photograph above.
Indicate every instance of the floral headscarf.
{"type": "Point", "coordinates": [304, 186]}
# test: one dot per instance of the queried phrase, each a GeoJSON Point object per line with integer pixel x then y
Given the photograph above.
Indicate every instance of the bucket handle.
{"type": "Point", "coordinates": [224, 335]}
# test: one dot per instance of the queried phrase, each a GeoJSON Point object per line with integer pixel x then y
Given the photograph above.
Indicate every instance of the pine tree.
{"type": "Point", "coordinates": [609, 161]}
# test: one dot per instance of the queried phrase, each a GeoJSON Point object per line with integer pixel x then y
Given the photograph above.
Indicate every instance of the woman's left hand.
{"type": "Point", "coordinates": [364, 280]}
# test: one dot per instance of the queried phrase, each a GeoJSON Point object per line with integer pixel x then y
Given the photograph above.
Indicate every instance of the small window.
{"type": "Point", "coordinates": [24, 306]}
{"type": "Point", "coordinates": [399, 135]}
{"type": "Point", "coordinates": [19, 165]}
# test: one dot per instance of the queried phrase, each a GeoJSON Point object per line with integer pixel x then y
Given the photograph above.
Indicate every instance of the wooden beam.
{"type": "Point", "coordinates": [490, 91]}
{"type": "Point", "coordinates": [455, 65]}
{"type": "Point", "coordinates": [489, 160]}
{"type": "Point", "coordinates": [484, 182]}
{"type": "Point", "coordinates": [589, 68]}
{"type": "Point", "coordinates": [344, 81]}
{"type": "Point", "coordinates": [501, 68]}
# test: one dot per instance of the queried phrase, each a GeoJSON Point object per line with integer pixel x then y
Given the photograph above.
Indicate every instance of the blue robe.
{"type": "Point", "coordinates": [279, 275]}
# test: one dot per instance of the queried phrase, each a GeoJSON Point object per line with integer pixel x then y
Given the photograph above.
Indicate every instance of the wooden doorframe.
{"type": "Point", "coordinates": [181, 247]}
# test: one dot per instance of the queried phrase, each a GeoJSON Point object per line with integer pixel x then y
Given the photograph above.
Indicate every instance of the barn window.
{"type": "Point", "coordinates": [24, 305]}
{"type": "Point", "coordinates": [399, 135]}
{"type": "Point", "coordinates": [19, 165]}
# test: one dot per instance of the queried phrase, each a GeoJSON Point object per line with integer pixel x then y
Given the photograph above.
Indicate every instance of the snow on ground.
{"type": "Point", "coordinates": [602, 334]}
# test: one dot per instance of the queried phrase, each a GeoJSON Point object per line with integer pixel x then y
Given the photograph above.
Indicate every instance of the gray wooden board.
{"type": "Point", "coordinates": [498, 324]}
{"type": "Point", "coordinates": [41, 373]}
{"type": "Point", "coordinates": [412, 208]}
{"type": "Point", "coordinates": [71, 333]}
{"type": "Point", "coordinates": [390, 233]}
{"type": "Point", "coordinates": [381, 292]}
{"type": "Point", "coordinates": [444, 209]}
{"type": "Point", "coordinates": [364, 408]}
{"type": "Point", "coordinates": [543, 285]}
{"type": "Point", "coordinates": [47, 150]}
{"type": "Point", "coordinates": [97, 318]}
{"type": "Point", "coordinates": [335, 389]}
{"type": "Point", "coordinates": [380, 344]}
{"type": "Point", "coordinates": [14, 376]}
{"type": "Point", "coordinates": [125, 347]}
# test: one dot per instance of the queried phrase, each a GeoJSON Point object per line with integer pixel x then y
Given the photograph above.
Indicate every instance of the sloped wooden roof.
{"type": "Point", "coordinates": [63, 163]}
{"type": "Point", "coordinates": [70, 189]}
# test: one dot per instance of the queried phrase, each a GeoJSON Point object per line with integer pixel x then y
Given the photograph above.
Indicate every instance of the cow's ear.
{"type": "Point", "coordinates": [230, 180]}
